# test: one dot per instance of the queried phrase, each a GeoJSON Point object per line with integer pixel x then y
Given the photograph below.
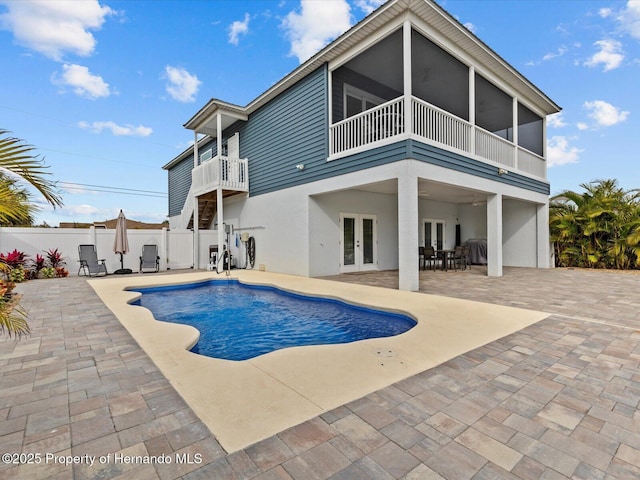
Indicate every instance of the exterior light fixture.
{"type": "Point", "coordinates": [502, 171]}
{"type": "Point", "coordinates": [300, 166]}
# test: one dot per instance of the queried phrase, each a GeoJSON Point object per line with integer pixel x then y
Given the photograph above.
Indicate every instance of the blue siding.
{"type": "Point", "coordinates": [293, 129]}
{"type": "Point", "coordinates": [179, 185]}
{"type": "Point", "coordinates": [289, 130]}
{"type": "Point", "coordinates": [437, 156]}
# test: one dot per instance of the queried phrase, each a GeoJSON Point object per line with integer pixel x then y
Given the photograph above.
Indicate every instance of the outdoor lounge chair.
{"type": "Point", "coordinates": [149, 258]}
{"type": "Point", "coordinates": [89, 262]}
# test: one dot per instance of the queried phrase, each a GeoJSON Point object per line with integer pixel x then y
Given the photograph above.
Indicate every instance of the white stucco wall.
{"type": "Point", "coordinates": [473, 221]}
{"type": "Point", "coordinates": [519, 234]}
{"type": "Point", "coordinates": [324, 228]}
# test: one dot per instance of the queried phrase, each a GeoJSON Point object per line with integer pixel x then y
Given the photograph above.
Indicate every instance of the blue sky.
{"type": "Point", "coordinates": [102, 88]}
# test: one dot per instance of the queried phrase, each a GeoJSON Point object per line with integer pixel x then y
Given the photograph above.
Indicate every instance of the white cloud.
{"type": "Point", "coordinates": [549, 56]}
{"type": "Point", "coordinates": [54, 28]}
{"type": "Point", "coordinates": [77, 210]}
{"type": "Point", "coordinates": [582, 126]}
{"type": "Point", "coordinates": [238, 28]}
{"type": "Point", "coordinates": [561, 51]}
{"type": "Point", "coordinates": [470, 26]}
{"type": "Point", "coordinates": [605, 12]}
{"type": "Point", "coordinates": [82, 81]}
{"type": "Point", "coordinates": [559, 152]}
{"type": "Point", "coordinates": [629, 18]}
{"type": "Point", "coordinates": [182, 86]}
{"type": "Point", "coordinates": [315, 25]}
{"type": "Point", "coordinates": [368, 6]}
{"type": "Point", "coordinates": [605, 114]}
{"type": "Point", "coordinates": [610, 55]}
{"type": "Point", "coordinates": [556, 120]}
{"type": "Point", "coordinates": [117, 130]}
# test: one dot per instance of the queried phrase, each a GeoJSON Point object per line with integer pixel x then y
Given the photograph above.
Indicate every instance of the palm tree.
{"type": "Point", "coordinates": [599, 228]}
{"type": "Point", "coordinates": [16, 208]}
{"type": "Point", "coordinates": [18, 164]}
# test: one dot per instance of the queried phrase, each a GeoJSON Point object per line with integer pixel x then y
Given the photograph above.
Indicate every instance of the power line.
{"type": "Point", "coordinates": [112, 190]}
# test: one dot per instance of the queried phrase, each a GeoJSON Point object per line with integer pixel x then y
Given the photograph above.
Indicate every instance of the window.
{"type": "Point", "coordinates": [357, 101]}
{"type": "Point", "coordinates": [205, 156]}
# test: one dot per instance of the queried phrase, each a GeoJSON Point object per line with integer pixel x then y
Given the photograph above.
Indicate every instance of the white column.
{"type": "Point", "coordinates": [515, 132]}
{"type": "Point", "coordinates": [472, 109]}
{"type": "Point", "coordinates": [196, 153]}
{"type": "Point", "coordinates": [196, 234]}
{"type": "Point", "coordinates": [219, 135]}
{"type": "Point", "coordinates": [494, 235]}
{"type": "Point", "coordinates": [219, 206]}
{"type": "Point", "coordinates": [196, 220]}
{"type": "Point", "coordinates": [220, 215]}
{"type": "Point", "coordinates": [542, 224]}
{"type": "Point", "coordinates": [408, 270]}
{"type": "Point", "coordinates": [406, 67]}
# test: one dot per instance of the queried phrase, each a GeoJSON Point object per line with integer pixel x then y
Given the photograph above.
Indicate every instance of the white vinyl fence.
{"type": "Point", "coordinates": [175, 247]}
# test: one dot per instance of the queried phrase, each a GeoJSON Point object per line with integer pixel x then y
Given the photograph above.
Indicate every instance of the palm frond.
{"type": "Point", "coordinates": [17, 158]}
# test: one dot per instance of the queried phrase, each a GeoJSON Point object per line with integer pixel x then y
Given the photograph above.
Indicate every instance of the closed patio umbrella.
{"type": "Point", "coordinates": [121, 242]}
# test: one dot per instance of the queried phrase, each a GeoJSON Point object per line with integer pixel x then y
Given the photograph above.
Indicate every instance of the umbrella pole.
{"type": "Point", "coordinates": [121, 261]}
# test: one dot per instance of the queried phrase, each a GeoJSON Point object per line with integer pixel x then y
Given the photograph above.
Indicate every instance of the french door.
{"type": "Point", "coordinates": [433, 233]}
{"type": "Point", "coordinates": [358, 242]}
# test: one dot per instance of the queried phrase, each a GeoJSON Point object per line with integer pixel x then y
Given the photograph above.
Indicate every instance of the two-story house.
{"type": "Point", "coordinates": [404, 131]}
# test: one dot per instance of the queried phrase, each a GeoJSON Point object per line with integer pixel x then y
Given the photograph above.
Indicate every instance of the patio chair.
{"type": "Point", "coordinates": [430, 257]}
{"type": "Point", "coordinates": [461, 257]}
{"type": "Point", "coordinates": [149, 258]}
{"type": "Point", "coordinates": [89, 262]}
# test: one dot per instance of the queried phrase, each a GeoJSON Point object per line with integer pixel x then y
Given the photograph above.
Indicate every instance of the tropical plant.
{"type": "Point", "coordinates": [48, 272]}
{"type": "Point", "coordinates": [599, 228]}
{"type": "Point", "coordinates": [55, 258]}
{"type": "Point", "coordinates": [15, 203]}
{"type": "Point", "coordinates": [38, 264]}
{"type": "Point", "coordinates": [13, 319]}
{"type": "Point", "coordinates": [18, 163]}
{"type": "Point", "coordinates": [14, 259]}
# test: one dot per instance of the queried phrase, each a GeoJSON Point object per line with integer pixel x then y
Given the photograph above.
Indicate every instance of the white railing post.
{"type": "Point", "coordinates": [472, 109]}
{"type": "Point", "coordinates": [406, 66]}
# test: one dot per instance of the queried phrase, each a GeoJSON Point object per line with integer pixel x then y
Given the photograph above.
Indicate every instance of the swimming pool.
{"type": "Point", "coordinates": [238, 321]}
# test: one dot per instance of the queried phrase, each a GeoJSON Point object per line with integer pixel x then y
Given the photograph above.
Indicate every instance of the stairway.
{"type": "Point", "coordinates": [208, 207]}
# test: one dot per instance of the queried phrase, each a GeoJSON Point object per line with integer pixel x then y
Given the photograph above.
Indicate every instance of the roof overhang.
{"type": "Point", "coordinates": [205, 121]}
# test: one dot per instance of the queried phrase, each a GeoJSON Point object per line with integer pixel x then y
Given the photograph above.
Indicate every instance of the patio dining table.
{"type": "Point", "coordinates": [445, 255]}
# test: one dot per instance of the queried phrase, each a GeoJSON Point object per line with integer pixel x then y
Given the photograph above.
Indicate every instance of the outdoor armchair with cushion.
{"type": "Point", "coordinates": [149, 258]}
{"type": "Point", "coordinates": [89, 262]}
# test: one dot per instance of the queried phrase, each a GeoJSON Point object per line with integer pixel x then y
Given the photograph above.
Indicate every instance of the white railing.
{"type": "Point", "coordinates": [435, 125]}
{"type": "Point", "coordinates": [531, 163]}
{"type": "Point", "coordinates": [225, 172]}
{"type": "Point", "coordinates": [494, 148]}
{"type": "Point", "coordinates": [378, 123]}
{"type": "Point", "coordinates": [440, 126]}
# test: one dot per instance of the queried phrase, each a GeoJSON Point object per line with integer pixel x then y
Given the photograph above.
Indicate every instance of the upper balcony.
{"type": "Point", "coordinates": [220, 172]}
{"type": "Point", "coordinates": [433, 125]}
{"type": "Point", "coordinates": [407, 86]}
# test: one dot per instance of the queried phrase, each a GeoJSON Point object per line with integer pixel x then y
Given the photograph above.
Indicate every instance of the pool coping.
{"type": "Point", "coordinates": [247, 401]}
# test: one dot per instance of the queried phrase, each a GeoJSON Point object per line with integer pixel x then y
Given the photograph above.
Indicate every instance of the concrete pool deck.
{"type": "Point", "coordinates": [248, 401]}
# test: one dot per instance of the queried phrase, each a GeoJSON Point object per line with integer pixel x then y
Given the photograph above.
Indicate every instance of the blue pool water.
{"type": "Point", "coordinates": [238, 322]}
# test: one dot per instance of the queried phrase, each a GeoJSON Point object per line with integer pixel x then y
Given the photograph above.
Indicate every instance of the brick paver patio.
{"type": "Point", "coordinates": [558, 399]}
